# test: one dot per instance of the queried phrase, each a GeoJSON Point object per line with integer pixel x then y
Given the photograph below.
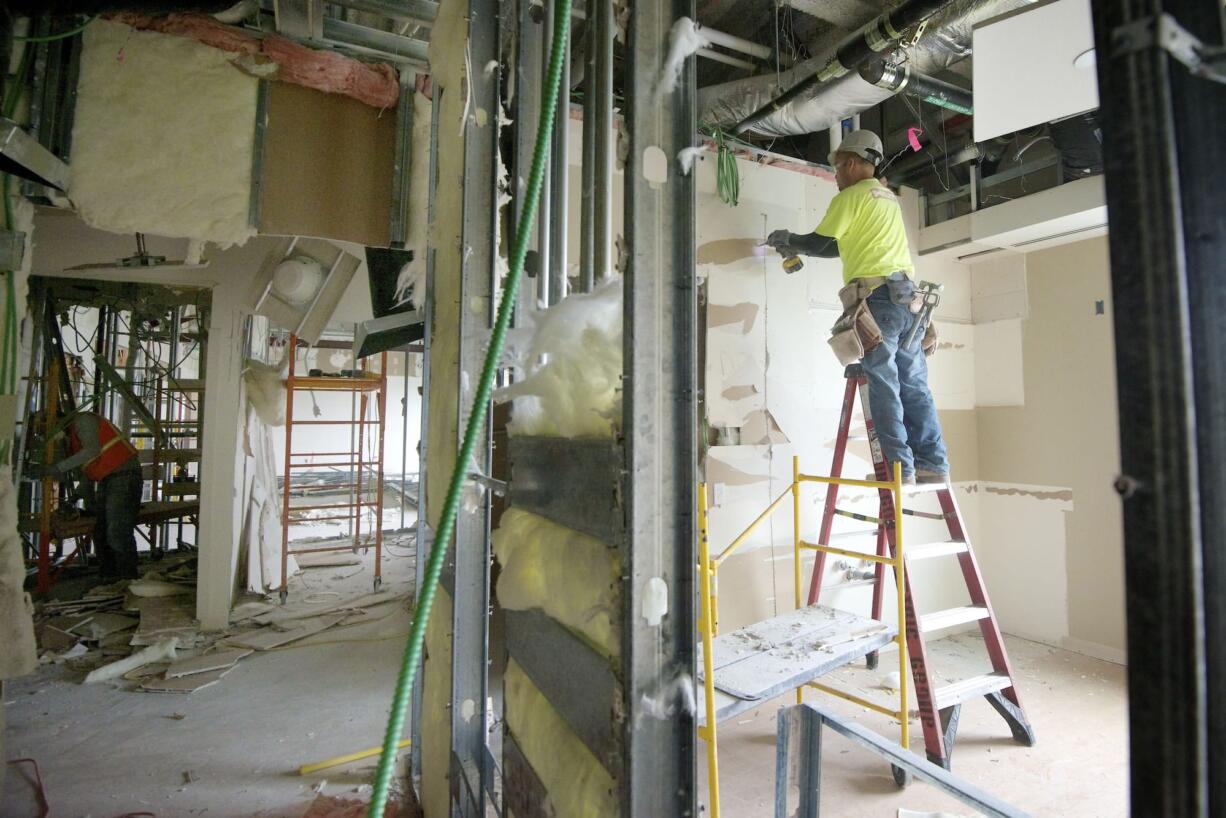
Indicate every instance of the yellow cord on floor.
{"type": "Point", "coordinates": [336, 761]}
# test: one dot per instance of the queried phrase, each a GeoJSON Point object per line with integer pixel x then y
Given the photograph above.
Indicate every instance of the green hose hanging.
{"type": "Point", "coordinates": [476, 418]}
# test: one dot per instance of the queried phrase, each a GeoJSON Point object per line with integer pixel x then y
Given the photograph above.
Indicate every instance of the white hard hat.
{"type": "Point", "coordinates": [865, 144]}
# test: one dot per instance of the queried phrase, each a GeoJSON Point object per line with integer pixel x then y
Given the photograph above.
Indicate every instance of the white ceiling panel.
{"type": "Point", "coordinates": [1024, 68]}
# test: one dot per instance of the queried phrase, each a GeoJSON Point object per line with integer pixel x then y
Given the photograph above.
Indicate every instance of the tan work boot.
{"type": "Point", "coordinates": [929, 477]}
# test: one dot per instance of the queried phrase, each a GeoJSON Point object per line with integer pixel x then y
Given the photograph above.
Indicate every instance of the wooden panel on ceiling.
{"type": "Point", "coordinates": [327, 167]}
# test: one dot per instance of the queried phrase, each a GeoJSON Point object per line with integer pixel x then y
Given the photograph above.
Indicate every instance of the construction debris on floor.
{"type": "Point", "coordinates": [143, 633]}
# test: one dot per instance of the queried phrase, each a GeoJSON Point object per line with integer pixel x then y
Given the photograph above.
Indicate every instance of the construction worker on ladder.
{"type": "Point", "coordinates": [864, 227]}
{"type": "Point", "coordinates": [110, 462]}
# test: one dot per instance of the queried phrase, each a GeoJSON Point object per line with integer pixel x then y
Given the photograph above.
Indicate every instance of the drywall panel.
{"type": "Point", "coordinates": [1022, 552]}
{"type": "Point", "coordinates": [1068, 348]}
{"type": "Point", "coordinates": [1027, 71]}
{"type": "Point", "coordinates": [998, 288]}
{"type": "Point", "coordinates": [951, 371]}
{"type": "Point", "coordinates": [998, 365]}
{"type": "Point", "coordinates": [163, 137]}
{"type": "Point", "coordinates": [327, 167]}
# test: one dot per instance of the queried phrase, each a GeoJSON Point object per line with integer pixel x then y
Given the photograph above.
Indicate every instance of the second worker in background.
{"type": "Point", "coordinates": [864, 228]}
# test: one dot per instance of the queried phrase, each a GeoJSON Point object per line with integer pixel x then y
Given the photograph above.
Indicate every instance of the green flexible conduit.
{"type": "Point", "coordinates": [442, 536]}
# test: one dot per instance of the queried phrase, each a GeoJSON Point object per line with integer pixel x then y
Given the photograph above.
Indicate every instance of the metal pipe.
{"type": "Point", "coordinates": [602, 119]}
{"type": "Point", "coordinates": [544, 209]}
{"type": "Point", "coordinates": [421, 12]}
{"type": "Point", "coordinates": [881, 34]}
{"type": "Point", "coordinates": [385, 44]}
{"type": "Point", "coordinates": [559, 181]}
{"type": "Point", "coordinates": [902, 79]}
{"type": "Point", "coordinates": [959, 154]}
{"type": "Point", "coordinates": [734, 43]}
{"type": "Point", "coordinates": [726, 59]}
{"type": "Point", "coordinates": [587, 218]}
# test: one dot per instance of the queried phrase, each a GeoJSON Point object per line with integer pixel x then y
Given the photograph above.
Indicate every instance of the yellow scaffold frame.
{"type": "Point", "coordinates": [708, 623]}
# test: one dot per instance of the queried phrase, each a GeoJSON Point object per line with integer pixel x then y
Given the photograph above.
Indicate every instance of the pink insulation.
{"type": "Point", "coordinates": [375, 84]}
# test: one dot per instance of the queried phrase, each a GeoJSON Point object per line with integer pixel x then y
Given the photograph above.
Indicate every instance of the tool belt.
{"type": "Point", "coordinates": [856, 333]}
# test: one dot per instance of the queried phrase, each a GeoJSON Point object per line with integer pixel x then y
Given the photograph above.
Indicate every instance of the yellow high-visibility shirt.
{"type": "Point", "coordinates": [866, 220]}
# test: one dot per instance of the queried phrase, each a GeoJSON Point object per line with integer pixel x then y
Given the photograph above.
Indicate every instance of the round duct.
{"type": "Point", "coordinates": [297, 279]}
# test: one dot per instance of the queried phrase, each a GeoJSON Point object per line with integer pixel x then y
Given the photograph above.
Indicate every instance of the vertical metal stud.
{"type": "Point", "coordinates": [471, 559]}
{"type": "Point", "coordinates": [1168, 246]}
{"type": "Point", "coordinates": [660, 314]}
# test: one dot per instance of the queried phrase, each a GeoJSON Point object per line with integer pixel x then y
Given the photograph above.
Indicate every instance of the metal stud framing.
{"type": "Point", "coordinates": [1168, 246]}
{"type": "Point", "coordinates": [470, 588]}
{"type": "Point", "coordinates": [659, 411]}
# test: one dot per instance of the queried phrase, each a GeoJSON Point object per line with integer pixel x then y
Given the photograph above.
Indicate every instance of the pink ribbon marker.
{"type": "Point", "coordinates": [913, 135]}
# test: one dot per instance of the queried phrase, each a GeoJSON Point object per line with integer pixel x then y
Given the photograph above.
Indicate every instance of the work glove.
{"type": "Point", "coordinates": [779, 239]}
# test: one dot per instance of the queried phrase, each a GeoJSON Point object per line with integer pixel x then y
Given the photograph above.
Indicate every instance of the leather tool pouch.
{"type": "Point", "coordinates": [856, 332]}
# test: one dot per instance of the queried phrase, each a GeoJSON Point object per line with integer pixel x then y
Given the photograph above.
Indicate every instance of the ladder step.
{"type": "Point", "coordinates": [925, 488]}
{"type": "Point", "coordinates": [939, 620]}
{"type": "Point", "coordinates": [972, 688]}
{"type": "Point", "coordinates": [930, 550]}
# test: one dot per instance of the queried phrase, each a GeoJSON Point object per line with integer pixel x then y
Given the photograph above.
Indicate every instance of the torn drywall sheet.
{"type": "Point", "coordinates": [717, 471]}
{"type": "Point", "coordinates": [721, 315]}
{"type": "Point", "coordinates": [730, 251]}
{"type": "Point", "coordinates": [163, 137]}
{"type": "Point", "coordinates": [761, 429]}
{"type": "Point", "coordinates": [735, 393]}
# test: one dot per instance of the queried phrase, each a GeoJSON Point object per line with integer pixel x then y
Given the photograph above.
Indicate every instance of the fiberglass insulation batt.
{"type": "Point", "coordinates": [163, 137]}
{"type": "Point", "coordinates": [574, 579]}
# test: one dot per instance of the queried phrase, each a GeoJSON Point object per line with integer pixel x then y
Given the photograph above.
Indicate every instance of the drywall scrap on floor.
{"type": "Point", "coordinates": [163, 137]}
{"type": "Point", "coordinates": [570, 576]}
{"type": "Point", "coordinates": [572, 362]}
{"type": "Point", "coordinates": [578, 785]}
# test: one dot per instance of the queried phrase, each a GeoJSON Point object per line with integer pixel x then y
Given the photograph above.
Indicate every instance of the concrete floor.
{"type": "Point", "coordinates": [108, 750]}
{"type": "Point", "coordinates": [1078, 707]}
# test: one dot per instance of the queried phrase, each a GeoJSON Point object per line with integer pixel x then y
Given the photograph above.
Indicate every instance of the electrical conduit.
{"type": "Point", "coordinates": [476, 418]}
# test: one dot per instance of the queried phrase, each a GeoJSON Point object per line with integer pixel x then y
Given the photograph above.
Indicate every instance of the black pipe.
{"type": "Point", "coordinates": [902, 80]}
{"type": "Point", "coordinates": [860, 48]}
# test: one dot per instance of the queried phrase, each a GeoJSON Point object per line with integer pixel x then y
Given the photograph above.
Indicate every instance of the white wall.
{"type": "Point", "coordinates": [767, 352]}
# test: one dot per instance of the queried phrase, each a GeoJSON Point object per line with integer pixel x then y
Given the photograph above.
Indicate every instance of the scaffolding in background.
{"type": "Point", "coordinates": [364, 385]}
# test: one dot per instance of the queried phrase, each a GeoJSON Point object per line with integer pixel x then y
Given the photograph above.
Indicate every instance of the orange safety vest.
{"type": "Point", "coordinates": [115, 449]}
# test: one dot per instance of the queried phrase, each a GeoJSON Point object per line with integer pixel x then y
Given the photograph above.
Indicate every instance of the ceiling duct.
{"type": "Point", "coordinates": [947, 41]}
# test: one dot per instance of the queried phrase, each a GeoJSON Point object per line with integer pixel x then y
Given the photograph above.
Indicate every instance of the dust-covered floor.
{"type": "Point", "coordinates": [230, 749]}
{"type": "Point", "coordinates": [1077, 705]}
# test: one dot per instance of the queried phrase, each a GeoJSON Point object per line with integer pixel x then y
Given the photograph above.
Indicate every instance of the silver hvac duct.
{"type": "Point", "coordinates": [947, 41]}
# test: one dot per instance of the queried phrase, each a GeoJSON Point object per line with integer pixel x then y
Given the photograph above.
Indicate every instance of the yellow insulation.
{"type": "Point", "coordinates": [569, 575]}
{"type": "Point", "coordinates": [578, 785]}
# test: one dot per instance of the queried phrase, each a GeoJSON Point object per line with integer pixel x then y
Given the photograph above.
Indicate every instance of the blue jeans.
{"type": "Point", "coordinates": [903, 411]}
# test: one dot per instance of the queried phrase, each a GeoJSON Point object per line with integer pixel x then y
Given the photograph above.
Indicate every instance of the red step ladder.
{"type": "Point", "coordinates": [941, 707]}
